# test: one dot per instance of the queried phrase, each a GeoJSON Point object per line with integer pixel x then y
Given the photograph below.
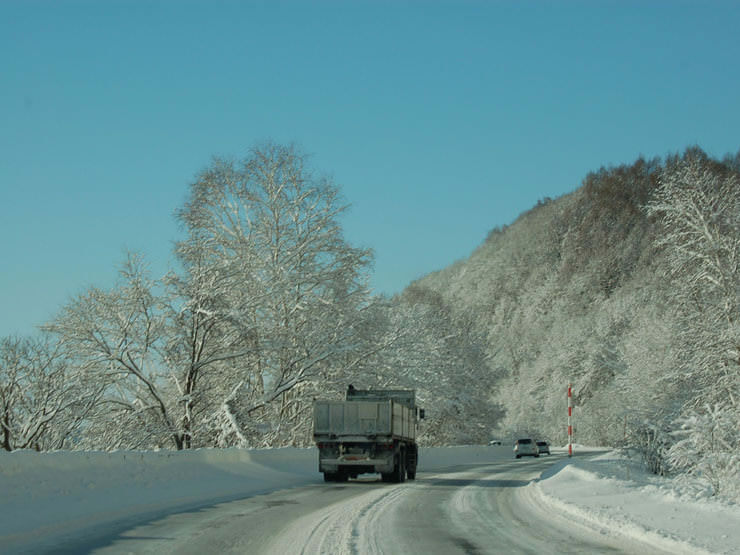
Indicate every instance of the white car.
{"type": "Point", "coordinates": [524, 447]}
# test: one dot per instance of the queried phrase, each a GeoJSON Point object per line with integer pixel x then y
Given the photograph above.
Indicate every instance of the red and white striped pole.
{"type": "Point", "coordinates": [570, 427]}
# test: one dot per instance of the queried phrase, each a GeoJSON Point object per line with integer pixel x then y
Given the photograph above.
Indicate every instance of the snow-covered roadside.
{"type": "Point", "coordinates": [616, 496]}
{"type": "Point", "coordinates": [47, 497]}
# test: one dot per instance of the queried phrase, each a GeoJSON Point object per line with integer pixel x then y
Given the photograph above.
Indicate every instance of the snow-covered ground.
{"type": "Point", "coordinates": [45, 497]}
{"type": "Point", "coordinates": [615, 494]}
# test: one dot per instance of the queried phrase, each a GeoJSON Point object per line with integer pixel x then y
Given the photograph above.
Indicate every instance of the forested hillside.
{"type": "Point", "coordinates": [628, 288]}
{"type": "Point", "coordinates": [560, 294]}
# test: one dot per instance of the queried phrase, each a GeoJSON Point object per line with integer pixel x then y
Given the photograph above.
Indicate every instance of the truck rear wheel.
{"type": "Point", "coordinates": [399, 469]}
{"type": "Point", "coordinates": [412, 458]}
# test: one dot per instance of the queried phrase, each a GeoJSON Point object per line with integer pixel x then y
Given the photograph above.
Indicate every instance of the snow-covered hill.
{"type": "Point", "coordinates": [47, 497]}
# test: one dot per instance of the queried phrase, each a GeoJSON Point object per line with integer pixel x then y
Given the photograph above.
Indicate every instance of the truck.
{"type": "Point", "coordinates": [371, 431]}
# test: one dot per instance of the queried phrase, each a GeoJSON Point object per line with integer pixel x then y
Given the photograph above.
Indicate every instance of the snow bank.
{"type": "Point", "coordinates": [49, 496]}
{"type": "Point", "coordinates": [47, 499]}
{"type": "Point", "coordinates": [616, 496]}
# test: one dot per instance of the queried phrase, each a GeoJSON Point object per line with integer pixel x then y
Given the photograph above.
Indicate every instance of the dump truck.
{"type": "Point", "coordinates": [371, 431]}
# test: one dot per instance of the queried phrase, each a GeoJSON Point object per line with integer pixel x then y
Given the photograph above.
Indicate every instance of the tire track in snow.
{"type": "Point", "coordinates": [347, 527]}
{"type": "Point", "coordinates": [506, 507]}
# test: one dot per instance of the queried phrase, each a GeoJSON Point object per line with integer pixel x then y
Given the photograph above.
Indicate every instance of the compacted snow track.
{"type": "Point", "coordinates": [481, 510]}
{"type": "Point", "coordinates": [341, 527]}
{"type": "Point", "coordinates": [475, 509]}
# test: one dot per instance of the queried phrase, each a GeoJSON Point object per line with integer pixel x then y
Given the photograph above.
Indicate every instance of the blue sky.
{"type": "Point", "coordinates": [439, 120]}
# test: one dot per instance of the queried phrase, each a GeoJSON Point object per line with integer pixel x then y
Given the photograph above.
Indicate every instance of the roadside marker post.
{"type": "Point", "coordinates": [570, 426]}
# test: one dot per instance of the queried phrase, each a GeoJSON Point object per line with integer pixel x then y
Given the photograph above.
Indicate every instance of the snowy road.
{"type": "Point", "coordinates": [474, 509]}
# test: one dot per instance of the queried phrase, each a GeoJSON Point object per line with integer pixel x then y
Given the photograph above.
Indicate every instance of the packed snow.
{"type": "Point", "coordinates": [50, 497]}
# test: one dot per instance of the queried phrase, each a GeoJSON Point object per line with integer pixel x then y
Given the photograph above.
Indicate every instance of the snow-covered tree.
{"type": "Point", "coordinates": [429, 348]}
{"type": "Point", "coordinates": [266, 306]}
{"type": "Point", "coordinates": [209, 338]}
{"type": "Point", "coordinates": [269, 228]}
{"type": "Point", "coordinates": [44, 399]}
{"type": "Point", "coordinates": [706, 447]}
{"type": "Point", "coordinates": [699, 208]}
{"type": "Point", "coordinates": [118, 335]}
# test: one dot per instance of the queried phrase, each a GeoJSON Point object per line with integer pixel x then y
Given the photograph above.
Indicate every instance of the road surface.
{"type": "Point", "coordinates": [473, 509]}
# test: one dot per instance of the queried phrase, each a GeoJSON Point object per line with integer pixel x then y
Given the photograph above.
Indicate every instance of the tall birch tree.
{"type": "Point", "coordinates": [269, 227]}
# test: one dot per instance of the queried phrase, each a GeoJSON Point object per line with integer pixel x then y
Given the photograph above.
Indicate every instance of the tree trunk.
{"type": "Point", "coordinates": [6, 433]}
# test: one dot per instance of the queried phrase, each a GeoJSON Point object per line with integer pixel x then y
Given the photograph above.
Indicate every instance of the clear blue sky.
{"type": "Point", "coordinates": [440, 120]}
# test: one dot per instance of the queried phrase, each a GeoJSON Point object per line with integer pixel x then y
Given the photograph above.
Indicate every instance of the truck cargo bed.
{"type": "Point", "coordinates": [364, 419]}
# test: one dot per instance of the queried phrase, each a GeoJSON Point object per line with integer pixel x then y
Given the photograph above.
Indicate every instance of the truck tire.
{"type": "Point", "coordinates": [399, 469]}
{"type": "Point", "coordinates": [411, 462]}
{"type": "Point", "coordinates": [330, 477]}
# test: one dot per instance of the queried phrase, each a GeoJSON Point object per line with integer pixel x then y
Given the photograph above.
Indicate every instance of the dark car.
{"type": "Point", "coordinates": [543, 447]}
